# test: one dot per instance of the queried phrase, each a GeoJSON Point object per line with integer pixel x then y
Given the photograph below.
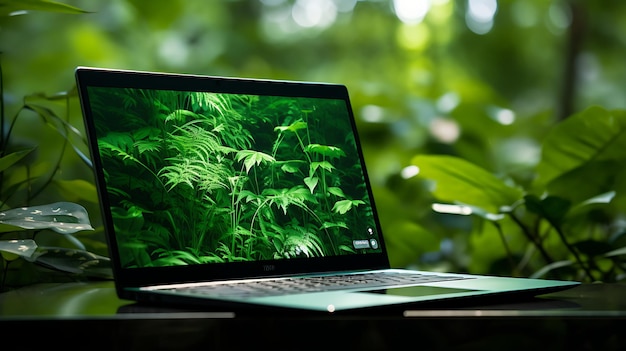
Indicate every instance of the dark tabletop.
{"type": "Point", "coordinates": [589, 316]}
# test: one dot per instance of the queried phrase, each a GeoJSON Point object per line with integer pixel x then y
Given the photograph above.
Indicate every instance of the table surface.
{"type": "Point", "coordinates": [98, 300]}
{"type": "Point", "coordinates": [589, 315]}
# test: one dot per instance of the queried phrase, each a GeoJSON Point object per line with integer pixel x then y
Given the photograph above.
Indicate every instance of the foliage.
{"type": "Point", "coordinates": [26, 177]}
{"type": "Point", "coordinates": [431, 80]}
{"type": "Point", "coordinates": [13, 7]}
{"type": "Point", "coordinates": [568, 215]}
{"type": "Point", "coordinates": [216, 192]}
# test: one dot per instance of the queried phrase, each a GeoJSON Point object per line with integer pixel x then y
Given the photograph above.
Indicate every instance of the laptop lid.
{"type": "Point", "coordinates": [211, 178]}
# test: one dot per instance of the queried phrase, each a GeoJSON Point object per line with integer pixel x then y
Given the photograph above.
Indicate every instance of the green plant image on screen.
{"type": "Point", "coordinates": [196, 177]}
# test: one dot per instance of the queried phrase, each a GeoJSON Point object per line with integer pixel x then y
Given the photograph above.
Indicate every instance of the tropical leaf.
{"type": "Point", "coordinates": [73, 261]}
{"type": "Point", "coordinates": [211, 102]}
{"type": "Point", "coordinates": [552, 208]}
{"type": "Point", "coordinates": [12, 249]}
{"type": "Point", "coordinates": [13, 158]}
{"type": "Point", "coordinates": [184, 172]}
{"type": "Point", "coordinates": [299, 242]}
{"type": "Point", "coordinates": [589, 180]}
{"type": "Point", "coordinates": [70, 133]}
{"type": "Point", "coordinates": [616, 252]}
{"type": "Point", "coordinates": [592, 135]}
{"type": "Point", "coordinates": [336, 191]}
{"type": "Point", "coordinates": [180, 115]}
{"type": "Point", "coordinates": [459, 181]}
{"type": "Point", "coordinates": [282, 198]}
{"type": "Point", "coordinates": [592, 203]}
{"type": "Point", "coordinates": [10, 7]}
{"type": "Point", "coordinates": [343, 206]}
{"type": "Point", "coordinates": [311, 182]}
{"type": "Point", "coordinates": [119, 144]}
{"type": "Point", "coordinates": [78, 189]}
{"type": "Point", "coordinates": [128, 220]}
{"type": "Point", "coordinates": [324, 165]}
{"type": "Point", "coordinates": [328, 225]}
{"type": "Point", "coordinates": [253, 158]}
{"type": "Point", "coordinates": [325, 150]}
{"type": "Point", "coordinates": [62, 217]}
{"type": "Point", "coordinates": [195, 140]}
{"type": "Point", "coordinates": [297, 125]}
{"type": "Point", "coordinates": [551, 267]}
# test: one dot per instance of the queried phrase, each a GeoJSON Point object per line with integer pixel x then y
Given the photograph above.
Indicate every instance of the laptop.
{"type": "Point", "coordinates": [245, 194]}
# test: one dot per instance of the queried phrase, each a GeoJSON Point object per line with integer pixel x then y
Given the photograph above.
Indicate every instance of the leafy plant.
{"type": "Point", "coordinates": [567, 222]}
{"type": "Point", "coordinates": [25, 178]}
{"type": "Point", "coordinates": [218, 194]}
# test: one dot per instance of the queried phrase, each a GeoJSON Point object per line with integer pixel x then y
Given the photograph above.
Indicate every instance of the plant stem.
{"type": "Point", "coordinates": [506, 248]}
{"type": "Point", "coordinates": [573, 251]}
{"type": "Point", "coordinates": [2, 146]}
{"type": "Point", "coordinates": [532, 238]}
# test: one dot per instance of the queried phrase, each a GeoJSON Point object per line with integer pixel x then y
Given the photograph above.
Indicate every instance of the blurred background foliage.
{"type": "Point", "coordinates": [484, 80]}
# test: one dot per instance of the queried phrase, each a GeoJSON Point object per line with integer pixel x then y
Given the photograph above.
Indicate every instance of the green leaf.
{"type": "Point", "coordinates": [62, 127]}
{"type": "Point", "coordinates": [552, 266]}
{"type": "Point", "coordinates": [21, 248]}
{"type": "Point", "coordinates": [130, 220]}
{"type": "Point", "coordinates": [13, 158]}
{"type": "Point", "coordinates": [293, 127]}
{"type": "Point", "coordinates": [73, 261]}
{"type": "Point", "coordinates": [616, 252]}
{"type": "Point", "coordinates": [8, 7]}
{"type": "Point", "coordinates": [251, 158]}
{"type": "Point", "coordinates": [595, 134]}
{"type": "Point", "coordinates": [327, 225]}
{"type": "Point", "coordinates": [592, 203]}
{"type": "Point", "coordinates": [324, 165]}
{"type": "Point", "coordinates": [459, 181]}
{"type": "Point", "coordinates": [343, 206]}
{"type": "Point", "coordinates": [588, 180]}
{"type": "Point", "coordinates": [282, 198]}
{"type": "Point", "coordinates": [62, 217]}
{"type": "Point", "coordinates": [289, 168]}
{"type": "Point", "coordinates": [311, 182]}
{"type": "Point", "coordinates": [336, 191]}
{"type": "Point", "coordinates": [552, 208]}
{"type": "Point", "coordinates": [325, 150]}
{"type": "Point", "coordinates": [78, 189]}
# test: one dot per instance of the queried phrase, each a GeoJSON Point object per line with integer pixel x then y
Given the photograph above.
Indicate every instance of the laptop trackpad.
{"type": "Point", "coordinates": [417, 291]}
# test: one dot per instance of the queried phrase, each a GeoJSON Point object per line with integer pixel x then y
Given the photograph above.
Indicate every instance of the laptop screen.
{"type": "Point", "coordinates": [213, 175]}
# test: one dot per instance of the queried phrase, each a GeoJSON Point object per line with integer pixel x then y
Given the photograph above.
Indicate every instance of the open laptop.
{"type": "Point", "coordinates": [240, 193]}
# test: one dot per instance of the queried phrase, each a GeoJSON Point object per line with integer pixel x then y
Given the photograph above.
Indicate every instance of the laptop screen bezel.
{"type": "Point", "coordinates": [100, 77]}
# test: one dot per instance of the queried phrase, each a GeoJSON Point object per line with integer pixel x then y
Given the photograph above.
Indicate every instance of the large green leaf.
{"type": "Point", "coordinates": [588, 181]}
{"type": "Point", "coordinates": [592, 135]}
{"type": "Point", "coordinates": [78, 189]}
{"type": "Point", "coordinates": [552, 208]}
{"type": "Point", "coordinates": [459, 181]}
{"type": "Point", "coordinates": [72, 261]}
{"type": "Point", "coordinates": [8, 7]}
{"type": "Point", "coordinates": [37, 102]}
{"type": "Point", "coordinates": [62, 217]}
{"type": "Point", "coordinates": [11, 249]}
{"type": "Point", "coordinates": [12, 158]}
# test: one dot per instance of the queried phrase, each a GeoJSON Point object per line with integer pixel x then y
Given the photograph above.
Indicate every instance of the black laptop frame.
{"type": "Point", "coordinates": [136, 277]}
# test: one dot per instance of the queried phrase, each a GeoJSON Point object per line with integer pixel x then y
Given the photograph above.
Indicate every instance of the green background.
{"type": "Point", "coordinates": [483, 80]}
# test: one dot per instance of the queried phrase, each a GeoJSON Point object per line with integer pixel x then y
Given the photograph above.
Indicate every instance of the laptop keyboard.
{"type": "Point", "coordinates": [279, 286]}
